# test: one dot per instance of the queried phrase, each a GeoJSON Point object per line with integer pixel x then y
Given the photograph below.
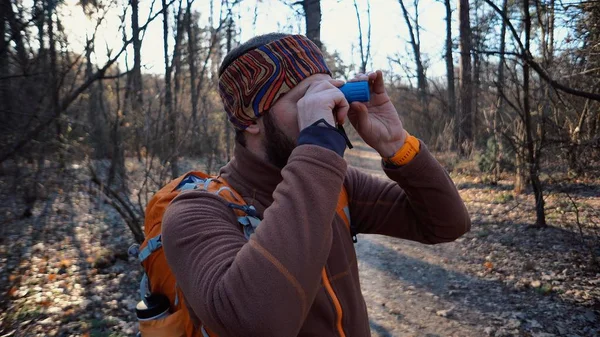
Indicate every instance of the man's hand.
{"type": "Point", "coordinates": [377, 121]}
{"type": "Point", "coordinates": [322, 100]}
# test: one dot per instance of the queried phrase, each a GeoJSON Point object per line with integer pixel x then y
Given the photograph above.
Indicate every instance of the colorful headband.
{"type": "Point", "coordinates": [252, 83]}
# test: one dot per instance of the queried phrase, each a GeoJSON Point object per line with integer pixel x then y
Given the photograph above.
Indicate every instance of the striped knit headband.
{"type": "Point", "coordinates": [252, 83]}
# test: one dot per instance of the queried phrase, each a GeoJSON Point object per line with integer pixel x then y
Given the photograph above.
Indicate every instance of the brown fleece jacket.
{"type": "Point", "coordinates": [271, 284]}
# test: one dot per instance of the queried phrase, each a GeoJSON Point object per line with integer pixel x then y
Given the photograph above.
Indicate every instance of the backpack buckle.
{"type": "Point", "coordinates": [134, 250]}
{"type": "Point", "coordinates": [249, 224]}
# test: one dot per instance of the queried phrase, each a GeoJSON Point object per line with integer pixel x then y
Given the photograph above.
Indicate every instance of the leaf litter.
{"type": "Point", "coordinates": [63, 271]}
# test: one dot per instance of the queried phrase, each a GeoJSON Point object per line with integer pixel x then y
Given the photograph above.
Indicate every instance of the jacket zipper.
{"type": "Point", "coordinates": [336, 302]}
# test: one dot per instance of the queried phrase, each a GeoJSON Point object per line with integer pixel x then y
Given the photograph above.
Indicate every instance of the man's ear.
{"type": "Point", "coordinates": [253, 129]}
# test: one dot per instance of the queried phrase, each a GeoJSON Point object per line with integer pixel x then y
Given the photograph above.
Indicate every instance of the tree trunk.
{"type": "Point", "coordinates": [416, 47]}
{"type": "Point", "coordinates": [476, 93]}
{"type": "Point", "coordinates": [532, 159]}
{"type": "Point", "coordinates": [192, 63]}
{"type": "Point", "coordinates": [593, 124]}
{"type": "Point", "coordinates": [499, 100]}
{"type": "Point", "coordinates": [450, 61]}
{"type": "Point", "coordinates": [169, 111]}
{"type": "Point", "coordinates": [136, 91]}
{"type": "Point", "coordinates": [54, 103]}
{"type": "Point", "coordinates": [94, 117]}
{"type": "Point", "coordinates": [465, 116]}
{"type": "Point", "coordinates": [520, 175]}
{"type": "Point", "coordinates": [5, 96]}
{"type": "Point", "coordinates": [479, 43]}
{"type": "Point", "coordinates": [177, 90]}
{"type": "Point", "coordinates": [117, 165]}
{"type": "Point", "coordinates": [228, 140]}
{"type": "Point", "coordinates": [575, 139]}
{"type": "Point", "coordinates": [312, 15]}
{"type": "Point", "coordinates": [364, 55]}
{"type": "Point", "coordinates": [15, 33]}
{"type": "Point", "coordinates": [39, 9]}
{"type": "Point", "coordinates": [547, 37]}
{"type": "Point", "coordinates": [137, 99]}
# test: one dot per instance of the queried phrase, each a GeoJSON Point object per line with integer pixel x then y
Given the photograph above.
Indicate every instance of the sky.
{"type": "Point", "coordinates": [339, 29]}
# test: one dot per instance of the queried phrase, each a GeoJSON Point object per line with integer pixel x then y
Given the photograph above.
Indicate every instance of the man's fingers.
{"type": "Point", "coordinates": [374, 78]}
{"type": "Point", "coordinates": [358, 115]}
{"type": "Point", "coordinates": [325, 94]}
{"type": "Point", "coordinates": [341, 112]}
{"type": "Point", "coordinates": [341, 107]}
{"type": "Point", "coordinates": [358, 107]}
{"type": "Point", "coordinates": [360, 77]}
{"type": "Point", "coordinates": [372, 75]}
{"type": "Point", "coordinates": [320, 86]}
{"type": "Point", "coordinates": [337, 83]}
{"type": "Point", "coordinates": [378, 86]}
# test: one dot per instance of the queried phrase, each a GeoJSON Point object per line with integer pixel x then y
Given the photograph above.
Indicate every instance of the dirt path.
{"type": "Point", "coordinates": [416, 290]}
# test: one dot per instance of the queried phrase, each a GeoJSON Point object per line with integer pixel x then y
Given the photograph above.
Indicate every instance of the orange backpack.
{"type": "Point", "coordinates": [158, 277]}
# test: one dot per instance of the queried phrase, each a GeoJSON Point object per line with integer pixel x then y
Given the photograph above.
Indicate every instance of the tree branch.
{"type": "Point", "coordinates": [528, 58]}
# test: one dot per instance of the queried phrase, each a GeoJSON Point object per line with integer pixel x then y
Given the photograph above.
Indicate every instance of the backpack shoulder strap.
{"type": "Point", "coordinates": [246, 214]}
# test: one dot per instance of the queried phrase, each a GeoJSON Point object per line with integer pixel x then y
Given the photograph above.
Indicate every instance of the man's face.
{"type": "Point", "coordinates": [281, 122]}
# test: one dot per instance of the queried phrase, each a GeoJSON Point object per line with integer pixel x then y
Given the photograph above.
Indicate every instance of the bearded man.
{"type": "Point", "coordinates": [296, 274]}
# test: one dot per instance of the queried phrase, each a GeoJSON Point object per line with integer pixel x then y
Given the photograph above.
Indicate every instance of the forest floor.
{"type": "Point", "coordinates": [64, 271]}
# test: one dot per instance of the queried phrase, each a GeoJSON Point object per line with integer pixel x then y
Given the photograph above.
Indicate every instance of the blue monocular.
{"type": "Point", "coordinates": [356, 91]}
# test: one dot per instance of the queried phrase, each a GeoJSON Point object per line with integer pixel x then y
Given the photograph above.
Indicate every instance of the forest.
{"type": "Point", "coordinates": [508, 100]}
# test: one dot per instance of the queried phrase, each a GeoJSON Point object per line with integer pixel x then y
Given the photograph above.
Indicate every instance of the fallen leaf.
{"type": "Point", "coordinates": [51, 277]}
{"type": "Point", "coordinates": [12, 291]}
{"type": "Point", "coordinates": [445, 313]}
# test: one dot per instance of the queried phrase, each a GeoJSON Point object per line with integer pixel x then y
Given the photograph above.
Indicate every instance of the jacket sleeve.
{"type": "Point", "coordinates": [420, 203]}
{"type": "Point", "coordinates": [263, 286]}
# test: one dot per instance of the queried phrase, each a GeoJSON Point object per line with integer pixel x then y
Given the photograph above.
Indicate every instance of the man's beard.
{"type": "Point", "coordinates": [279, 146]}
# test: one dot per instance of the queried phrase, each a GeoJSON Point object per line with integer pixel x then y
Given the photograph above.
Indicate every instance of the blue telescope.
{"type": "Point", "coordinates": [356, 91]}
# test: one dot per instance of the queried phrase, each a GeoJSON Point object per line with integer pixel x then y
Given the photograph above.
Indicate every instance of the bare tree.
{"type": "Point", "coordinates": [465, 116]}
{"type": "Point", "coordinates": [171, 151]}
{"type": "Point", "coordinates": [135, 89]}
{"type": "Point", "coordinates": [16, 34]}
{"type": "Point", "coordinates": [136, 74]}
{"type": "Point", "coordinates": [229, 37]}
{"type": "Point", "coordinates": [95, 105]}
{"type": "Point", "coordinates": [450, 61]}
{"type": "Point", "coordinates": [5, 96]}
{"type": "Point", "coordinates": [532, 154]}
{"type": "Point", "coordinates": [499, 100]}
{"type": "Point", "coordinates": [415, 42]}
{"type": "Point", "coordinates": [365, 52]}
{"type": "Point", "coordinates": [192, 54]}
{"type": "Point", "coordinates": [312, 15]}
